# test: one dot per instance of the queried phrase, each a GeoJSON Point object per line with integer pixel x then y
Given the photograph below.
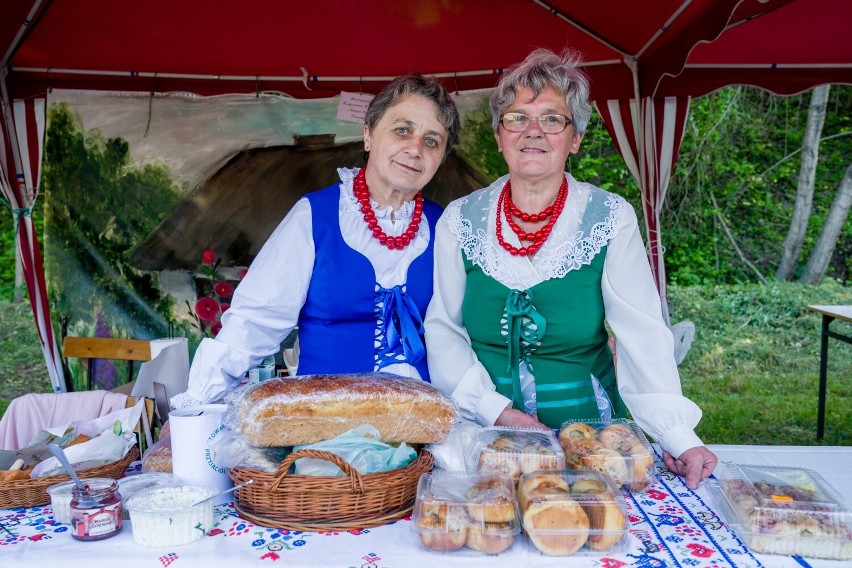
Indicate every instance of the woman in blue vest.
{"type": "Point", "coordinates": [350, 264]}
{"type": "Point", "coordinates": [527, 271]}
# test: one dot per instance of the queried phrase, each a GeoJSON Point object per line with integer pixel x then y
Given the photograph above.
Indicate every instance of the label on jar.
{"type": "Point", "coordinates": [97, 522]}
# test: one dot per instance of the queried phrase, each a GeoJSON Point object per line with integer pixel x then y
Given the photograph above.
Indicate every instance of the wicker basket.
{"type": "Point", "coordinates": [320, 503]}
{"type": "Point", "coordinates": [32, 492]}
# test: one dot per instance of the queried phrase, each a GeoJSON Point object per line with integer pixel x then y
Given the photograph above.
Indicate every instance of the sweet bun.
{"type": "Point", "coordinates": [504, 444]}
{"type": "Point", "coordinates": [606, 521]}
{"type": "Point", "coordinates": [556, 528]}
{"type": "Point", "coordinates": [575, 431]}
{"type": "Point", "coordinates": [608, 462]}
{"type": "Point", "coordinates": [642, 463]}
{"type": "Point", "coordinates": [542, 487]}
{"type": "Point", "coordinates": [499, 462]}
{"type": "Point", "coordinates": [538, 457]}
{"type": "Point", "coordinates": [442, 527]}
{"type": "Point", "coordinates": [588, 486]}
{"type": "Point", "coordinates": [579, 448]}
{"type": "Point", "coordinates": [490, 538]}
{"type": "Point", "coordinates": [617, 437]}
{"type": "Point", "coordinates": [490, 501]}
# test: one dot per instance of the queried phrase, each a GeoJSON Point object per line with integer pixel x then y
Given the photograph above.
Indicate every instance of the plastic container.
{"type": "Point", "coordinates": [617, 448]}
{"type": "Point", "coordinates": [165, 516]}
{"type": "Point", "coordinates": [60, 501]}
{"type": "Point", "coordinates": [466, 512]}
{"type": "Point", "coordinates": [132, 484]}
{"type": "Point", "coordinates": [783, 510]}
{"type": "Point", "coordinates": [514, 451]}
{"type": "Point", "coordinates": [96, 511]}
{"type": "Point", "coordinates": [573, 512]}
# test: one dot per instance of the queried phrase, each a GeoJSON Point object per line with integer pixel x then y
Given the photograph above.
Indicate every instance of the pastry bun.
{"type": "Point", "coordinates": [556, 528]}
{"type": "Point", "coordinates": [606, 521]}
{"type": "Point", "coordinates": [442, 527]}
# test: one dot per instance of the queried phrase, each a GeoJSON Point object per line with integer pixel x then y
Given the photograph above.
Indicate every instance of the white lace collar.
{"type": "Point", "coordinates": [347, 175]}
{"type": "Point", "coordinates": [590, 219]}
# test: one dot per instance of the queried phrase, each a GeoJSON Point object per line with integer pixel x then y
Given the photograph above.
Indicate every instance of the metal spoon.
{"type": "Point", "coordinates": [234, 488]}
{"type": "Point", "coordinates": [60, 455]}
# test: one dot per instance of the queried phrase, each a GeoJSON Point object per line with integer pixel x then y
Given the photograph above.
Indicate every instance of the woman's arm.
{"type": "Point", "coordinates": [647, 373]}
{"type": "Point", "coordinates": [264, 309]}
{"type": "Point", "coordinates": [453, 365]}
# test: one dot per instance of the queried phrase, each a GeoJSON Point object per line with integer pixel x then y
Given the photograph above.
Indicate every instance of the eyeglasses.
{"type": "Point", "coordinates": [549, 123]}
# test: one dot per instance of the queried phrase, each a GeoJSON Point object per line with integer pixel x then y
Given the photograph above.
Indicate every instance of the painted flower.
{"type": "Point", "coordinates": [207, 308]}
{"type": "Point", "coordinates": [216, 327]}
{"type": "Point", "coordinates": [208, 256]}
{"type": "Point", "coordinates": [223, 289]}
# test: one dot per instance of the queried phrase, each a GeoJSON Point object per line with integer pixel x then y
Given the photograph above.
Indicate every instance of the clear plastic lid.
{"type": "Point", "coordinates": [784, 510]}
{"type": "Point", "coordinates": [457, 509]}
{"type": "Point", "coordinates": [572, 512]}
{"type": "Point", "coordinates": [132, 484]}
{"type": "Point", "coordinates": [617, 448]}
{"type": "Point", "coordinates": [164, 499]}
{"type": "Point", "coordinates": [63, 488]}
{"type": "Point", "coordinates": [515, 451]}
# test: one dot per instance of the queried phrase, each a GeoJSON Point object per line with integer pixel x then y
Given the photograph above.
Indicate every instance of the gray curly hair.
{"type": "Point", "coordinates": [541, 68]}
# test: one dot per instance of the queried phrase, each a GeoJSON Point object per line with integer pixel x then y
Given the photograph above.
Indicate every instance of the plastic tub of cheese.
{"type": "Point", "coordinates": [132, 484]}
{"type": "Point", "coordinates": [60, 500]}
{"type": "Point", "coordinates": [166, 516]}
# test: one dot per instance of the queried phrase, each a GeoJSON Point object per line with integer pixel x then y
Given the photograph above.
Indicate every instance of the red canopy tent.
{"type": "Point", "coordinates": [645, 59]}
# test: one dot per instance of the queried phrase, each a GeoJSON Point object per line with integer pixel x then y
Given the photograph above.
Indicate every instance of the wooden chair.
{"type": "Point", "coordinates": [91, 348]}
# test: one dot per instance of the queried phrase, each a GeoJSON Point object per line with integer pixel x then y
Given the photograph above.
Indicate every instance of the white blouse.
{"type": "Point", "coordinates": [646, 371]}
{"type": "Point", "coordinates": [266, 304]}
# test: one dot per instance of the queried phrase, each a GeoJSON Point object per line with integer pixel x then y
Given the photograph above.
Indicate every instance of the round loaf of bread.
{"type": "Point", "coordinates": [556, 528]}
{"type": "Point", "coordinates": [588, 486]}
{"type": "Point", "coordinates": [542, 487]}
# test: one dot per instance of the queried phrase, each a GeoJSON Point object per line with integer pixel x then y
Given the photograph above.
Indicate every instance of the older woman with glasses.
{"type": "Point", "coordinates": [529, 269]}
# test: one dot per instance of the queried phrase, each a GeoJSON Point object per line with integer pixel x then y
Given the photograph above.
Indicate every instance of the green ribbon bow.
{"type": "Point", "coordinates": [519, 305]}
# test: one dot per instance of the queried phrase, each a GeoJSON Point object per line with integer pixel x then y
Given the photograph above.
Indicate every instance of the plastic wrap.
{"type": "Point", "coordinates": [159, 456]}
{"type": "Point", "coordinates": [451, 454]}
{"type": "Point", "coordinates": [617, 448]}
{"type": "Point", "coordinates": [305, 410]}
{"type": "Point", "coordinates": [361, 448]}
{"type": "Point", "coordinates": [232, 450]}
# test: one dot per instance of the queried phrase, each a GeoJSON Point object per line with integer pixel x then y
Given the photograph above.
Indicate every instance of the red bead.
{"type": "Point", "coordinates": [534, 218]}
{"type": "Point", "coordinates": [522, 251]}
{"type": "Point", "coordinates": [377, 230]}
{"type": "Point", "coordinates": [410, 232]}
{"type": "Point", "coordinates": [406, 240]}
{"type": "Point", "coordinates": [383, 238]}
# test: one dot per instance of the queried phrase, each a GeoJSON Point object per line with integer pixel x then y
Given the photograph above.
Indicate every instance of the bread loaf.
{"type": "Point", "coordinates": [304, 410]}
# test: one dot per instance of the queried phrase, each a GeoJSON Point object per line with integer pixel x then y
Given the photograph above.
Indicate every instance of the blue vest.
{"type": "Point", "coordinates": [338, 325]}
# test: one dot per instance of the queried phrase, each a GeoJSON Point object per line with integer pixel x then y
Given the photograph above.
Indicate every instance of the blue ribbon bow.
{"type": "Point", "coordinates": [403, 324]}
{"type": "Point", "coordinates": [518, 306]}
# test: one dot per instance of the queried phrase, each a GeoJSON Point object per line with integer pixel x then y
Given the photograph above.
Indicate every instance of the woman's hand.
{"type": "Point", "coordinates": [518, 419]}
{"type": "Point", "coordinates": [695, 465]}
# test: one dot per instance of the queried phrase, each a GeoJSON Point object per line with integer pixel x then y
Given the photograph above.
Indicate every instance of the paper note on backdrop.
{"type": "Point", "coordinates": [353, 106]}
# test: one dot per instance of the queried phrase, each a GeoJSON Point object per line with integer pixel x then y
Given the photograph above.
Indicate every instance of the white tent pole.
{"type": "Point", "coordinates": [20, 34]}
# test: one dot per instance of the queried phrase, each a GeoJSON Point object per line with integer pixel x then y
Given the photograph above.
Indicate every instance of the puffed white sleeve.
{"type": "Point", "coordinates": [453, 365]}
{"type": "Point", "coordinates": [647, 374]}
{"type": "Point", "coordinates": [264, 309]}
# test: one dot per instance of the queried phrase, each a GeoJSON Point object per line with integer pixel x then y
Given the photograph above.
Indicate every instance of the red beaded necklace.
{"type": "Point", "coordinates": [362, 194]}
{"type": "Point", "coordinates": [506, 207]}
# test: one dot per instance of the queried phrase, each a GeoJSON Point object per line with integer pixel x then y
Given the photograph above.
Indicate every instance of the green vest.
{"type": "Point", "coordinates": [557, 328]}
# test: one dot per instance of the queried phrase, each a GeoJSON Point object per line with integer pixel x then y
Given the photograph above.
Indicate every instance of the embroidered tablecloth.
{"type": "Point", "coordinates": [669, 525]}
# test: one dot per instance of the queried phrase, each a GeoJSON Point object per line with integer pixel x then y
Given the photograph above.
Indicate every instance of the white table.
{"type": "Point", "coordinates": [668, 524]}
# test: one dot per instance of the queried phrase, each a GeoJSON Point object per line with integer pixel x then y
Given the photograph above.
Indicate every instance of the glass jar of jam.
{"type": "Point", "coordinates": [96, 512]}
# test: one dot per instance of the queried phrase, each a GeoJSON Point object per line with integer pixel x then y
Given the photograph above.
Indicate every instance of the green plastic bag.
{"type": "Point", "coordinates": [361, 448]}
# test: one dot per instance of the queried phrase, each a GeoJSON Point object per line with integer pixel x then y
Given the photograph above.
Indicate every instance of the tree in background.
{"type": "Point", "coordinates": [805, 189]}
{"type": "Point", "coordinates": [727, 206]}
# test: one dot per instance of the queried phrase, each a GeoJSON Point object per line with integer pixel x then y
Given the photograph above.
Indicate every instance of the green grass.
{"type": "Point", "coordinates": [753, 367]}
